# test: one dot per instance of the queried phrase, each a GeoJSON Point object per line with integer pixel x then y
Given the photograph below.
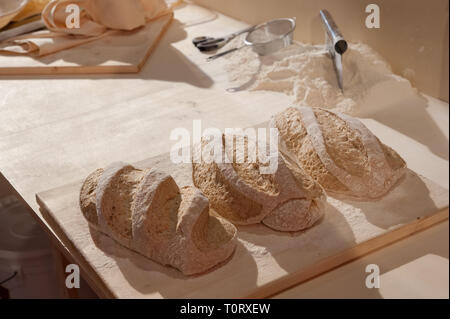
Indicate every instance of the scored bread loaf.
{"type": "Point", "coordinates": [144, 210]}
{"type": "Point", "coordinates": [339, 152]}
{"type": "Point", "coordinates": [287, 200]}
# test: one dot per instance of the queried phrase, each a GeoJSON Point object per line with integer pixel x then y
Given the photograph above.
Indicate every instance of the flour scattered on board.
{"type": "Point", "coordinates": [306, 73]}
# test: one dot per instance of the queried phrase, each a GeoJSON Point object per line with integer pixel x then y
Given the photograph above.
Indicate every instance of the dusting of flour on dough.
{"type": "Point", "coordinates": [306, 73]}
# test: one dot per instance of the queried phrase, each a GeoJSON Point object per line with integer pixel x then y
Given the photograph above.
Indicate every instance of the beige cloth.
{"type": "Point", "coordinates": [98, 18]}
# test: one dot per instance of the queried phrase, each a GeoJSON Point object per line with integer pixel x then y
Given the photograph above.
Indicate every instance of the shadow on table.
{"type": "Point", "coordinates": [169, 63]}
{"type": "Point", "coordinates": [174, 66]}
{"type": "Point", "coordinates": [407, 202]}
{"type": "Point", "coordinates": [349, 281]}
{"type": "Point", "coordinates": [147, 276]}
{"type": "Point", "coordinates": [298, 253]}
{"type": "Point", "coordinates": [410, 117]}
{"type": "Point", "coordinates": [329, 244]}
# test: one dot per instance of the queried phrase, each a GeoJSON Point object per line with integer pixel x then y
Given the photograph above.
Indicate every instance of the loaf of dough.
{"type": "Point", "coordinates": [144, 210]}
{"type": "Point", "coordinates": [339, 152]}
{"type": "Point", "coordinates": [287, 200]}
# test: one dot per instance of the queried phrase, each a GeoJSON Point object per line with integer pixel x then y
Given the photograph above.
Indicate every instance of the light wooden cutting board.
{"type": "Point", "coordinates": [265, 261]}
{"type": "Point", "coordinates": [125, 52]}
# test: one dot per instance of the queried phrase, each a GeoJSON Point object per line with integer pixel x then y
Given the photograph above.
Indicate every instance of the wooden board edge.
{"type": "Point", "coordinates": [69, 70]}
{"type": "Point", "coordinates": [89, 70]}
{"type": "Point", "coordinates": [349, 255]}
{"type": "Point", "coordinates": [283, 283]}
{"type": "Point", "coordinates": [88, 273]}
{"type": "Point", "coordinates": [287, 281]}
{"type": "Point", "coordinates": [155, 44]}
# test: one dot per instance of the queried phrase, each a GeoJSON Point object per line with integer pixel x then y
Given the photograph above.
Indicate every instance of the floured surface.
{"type": "Point", "coordinates": [306, 74]}
{"type": "Point", "coordinates": [111, 54]}
{"type": "Point", "coordinates": [93, 121]}
{"type": "Point", "coordinates": [263, 257]}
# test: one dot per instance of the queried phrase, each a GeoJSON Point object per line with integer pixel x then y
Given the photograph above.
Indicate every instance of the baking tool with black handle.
{"type": "Point", "coordinates": [266, 38]}
{"type": "Point", "coordinates": [209, 44]}
{"type": "Point", "coordinates": [335, 43]}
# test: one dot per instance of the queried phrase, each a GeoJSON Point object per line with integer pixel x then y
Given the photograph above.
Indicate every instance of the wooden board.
{"type": "Point", "coordinates": [265, 261]}
{"type": "Point", "coordinates": [122, 53]}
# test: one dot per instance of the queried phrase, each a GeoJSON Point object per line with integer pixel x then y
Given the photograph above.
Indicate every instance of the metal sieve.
{"type": "Point", "coordinates": [267, 38]}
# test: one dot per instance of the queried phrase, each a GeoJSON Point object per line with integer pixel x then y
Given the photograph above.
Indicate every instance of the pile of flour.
{"type": "Point", "coordinates": [306, 73]}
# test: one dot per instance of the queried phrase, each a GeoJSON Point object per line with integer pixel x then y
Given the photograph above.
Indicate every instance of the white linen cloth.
{"type": "Point", "coordinates": [98, 18]}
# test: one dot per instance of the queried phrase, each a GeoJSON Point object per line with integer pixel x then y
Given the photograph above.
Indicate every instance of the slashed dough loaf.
{"type": "Point", "coordinates": [145, 210]}
{"type": "Point", "coordinates": [287, 200]}
{"type": "Point", "coordinates": [338, 152]}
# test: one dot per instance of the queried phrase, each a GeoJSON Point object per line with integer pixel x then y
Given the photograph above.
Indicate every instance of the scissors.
{"type": "Point", "coordinates": [204, 43]}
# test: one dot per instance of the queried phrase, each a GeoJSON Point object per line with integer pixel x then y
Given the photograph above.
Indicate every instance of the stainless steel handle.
{"type": "Point", "coordinates": [335, 43]}
{"type": "Point", "coordinates": [213, 57]}
{"type": "Point", "coordinates": [235, 34]}
{"type": "Point", "coordinates": [333, 34]}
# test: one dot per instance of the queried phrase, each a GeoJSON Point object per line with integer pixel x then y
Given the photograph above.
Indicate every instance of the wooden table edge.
{"type": "Point", "coordinates": [351, 254]}
{"type": "Point", "coordinates": [283, 283]}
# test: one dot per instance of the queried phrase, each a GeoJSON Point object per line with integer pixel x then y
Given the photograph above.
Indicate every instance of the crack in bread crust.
{"type": "Point", "coordinates": [241, 194]}
{"type": "Point", "coordinates": [226, 201]}
{"type": "Point", "coordinates": [144, 210]}
{"type": "Point", "coordinates": [117, 198]}
{"type": "Point", "coordinates": [339, 152]}
{"type": "Point", "coordinates": [88, 196]}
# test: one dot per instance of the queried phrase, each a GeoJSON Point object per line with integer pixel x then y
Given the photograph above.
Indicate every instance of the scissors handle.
{"type": "Point", "coordinates": [209, 44]}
